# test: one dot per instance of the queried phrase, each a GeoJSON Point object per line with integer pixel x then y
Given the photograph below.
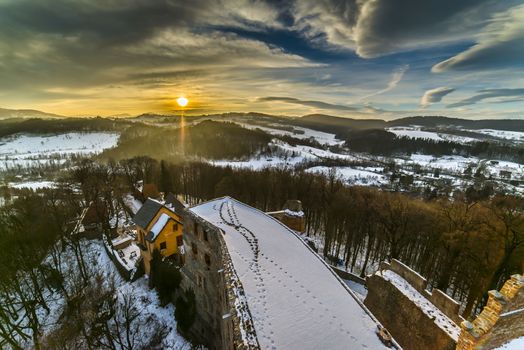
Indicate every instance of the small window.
{"type": "Point", "coordinates": [175, 227]}
{"type": "Point", "coordinates": [207, 259]}
{"type": "Point", "coordinates": [205, 235]}
{"type": "Point", "coordinates": [194, 248]}
{"type": "Point", "coordinates": [163, 245]}
{"type": "Point", "coordinates": [180, 241]}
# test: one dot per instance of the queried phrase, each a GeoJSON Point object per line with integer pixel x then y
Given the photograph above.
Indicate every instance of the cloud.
{"type": "Point", "coordinates": [501, 43]}
{"type": "Point", "coordinates": [434, 95]}
{"type": "Point", "coordinates": [308, 103]}
{"type": "Point", "coordinates": [378, 27]}
{"type": "Point", "coordinates": [488, 94]}
{"type": "Point", "coordinates": [396, 77]}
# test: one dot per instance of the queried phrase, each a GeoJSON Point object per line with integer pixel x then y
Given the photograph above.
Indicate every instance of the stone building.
{"type": "Point", "coordinates": [416, 317]}
{"type": "Point", "coordinates": [501, 320]}
{"type": "Point", "coordinates": [259, 286]}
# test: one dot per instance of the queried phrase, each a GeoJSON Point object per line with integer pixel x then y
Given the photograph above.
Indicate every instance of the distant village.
{"type": "Point", "coordinates": [254, 280]}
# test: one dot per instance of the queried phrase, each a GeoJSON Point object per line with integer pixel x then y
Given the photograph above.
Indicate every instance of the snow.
{"type": "Point", "coordinates": [159, 225]}
{"type": "Point", "coordinates": [452, 163]}
{"type": "Point", "coordinates": [295, 299]}
{"type": "Point", "coordinates": [31, 149]}
{"type": "Point", "coordinates": [359, 289]}
{"type": "Point", "coordinates": [416, 133]}
{"type": "Point", "coordinates": [351, 175]}
{"type": "Point", "coordinates": [440, 319]}
{"type": "Point", "coordinates": [515, 344]}
{"type": "Point", "coordinates": [132, 203]}
{"type": "Point", "coordinates": [503, 134]}
{"type": "Point", "coordinates": [294, 155]}
{"type": "Point", "coordinates": [33, 185]}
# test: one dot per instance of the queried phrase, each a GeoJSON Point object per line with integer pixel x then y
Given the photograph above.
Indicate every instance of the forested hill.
{"type": "Point", "coordinates": [47, 126]}
{"type": "Point", "coordinates": [333, 124]}
{"type": "Point", "coordinates": [207, 139]}
{"type": "Point", "coordinates": [430, 121]}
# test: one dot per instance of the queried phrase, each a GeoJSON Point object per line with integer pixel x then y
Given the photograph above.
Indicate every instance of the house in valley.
{"type": "Point", "coordinates": [158, 228]}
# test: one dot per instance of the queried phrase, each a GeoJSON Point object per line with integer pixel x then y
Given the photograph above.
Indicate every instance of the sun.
{"type": "Point", "coordinates": [182, 101]}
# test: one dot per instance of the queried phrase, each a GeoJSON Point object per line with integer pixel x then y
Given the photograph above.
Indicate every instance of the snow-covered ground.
{"type": "Point", "coordinates": [351, 175]}
{"type": "Point", "coordinates": [147, 302]}
{"type": "Point", "coordinates": [515, 344]}
{"type": "Point", "coordinates": [34, 185]}
{"type": "Point", "coordinates": [296, 301]}
{"type": "Point", "coordinates": [503, 134]}
{"type": "Point", "coordinates": [289, 156]}
{"type": "Point", "coordinates": [451, 163]}
{"type": "Point", "coordinates": [28, 149]}
{"type": "Point", "coordinates": [417, 133]}
{"type": "Point", "coordinates": [440, 319]}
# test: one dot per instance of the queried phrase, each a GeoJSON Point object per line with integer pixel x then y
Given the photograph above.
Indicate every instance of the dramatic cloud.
{"type": "Point", "coordinates": [500, 44]}
{"type": "Point", "coordinates": [434, 95]}
{"type": "Point", "coordinates": [130, 56]}
{"type": "Point", "coordinates": [489, 94]}
{"type": "Point", "coordinates": [378, 27]}
{"type": "Point", "coordinates": [314, 104]}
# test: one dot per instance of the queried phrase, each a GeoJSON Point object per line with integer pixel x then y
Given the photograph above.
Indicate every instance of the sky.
{"type": "Point", "coordinates": [356, 58]}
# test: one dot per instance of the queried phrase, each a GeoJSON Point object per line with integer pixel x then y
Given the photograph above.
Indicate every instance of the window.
{"type": "Point", "coordinates": [180, 241]}
{"type": "Point", "coordinates": [175, 227]}
{"type": "Point", "coordinates": [205, 235]}
{"type": "Point", "coordinates": [194, 248]}
{"type": "Point", "coordinates": [207, 259]}
{"type": "Point", "coordinates": [195, 229]}
{"type": "Point", "coordinates": [163, 245]}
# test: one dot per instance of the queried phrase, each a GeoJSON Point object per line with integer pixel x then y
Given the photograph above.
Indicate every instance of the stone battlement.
{"type": "Point", "coordinates": [497, 321]}
{"type": "Point", "coordinates": [441, 300]}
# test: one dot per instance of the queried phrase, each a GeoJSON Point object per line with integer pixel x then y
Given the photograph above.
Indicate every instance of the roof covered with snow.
{"type": "Point", "coordinates": [159, 225]}
{"type": "Point", "coordinates": [147, 213]}
{"type": "Point", "coordinates": [295, 299]}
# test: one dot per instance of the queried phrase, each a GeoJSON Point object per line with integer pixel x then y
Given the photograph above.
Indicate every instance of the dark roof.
{"type": "Point", "coordinates": [146, 213]}
{"type": "Point", "coordinates": [178, 206]}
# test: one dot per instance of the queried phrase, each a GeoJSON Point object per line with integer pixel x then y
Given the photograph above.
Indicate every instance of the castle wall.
{"type": "Point", "coordinates": [209, 272]}
{"type": "Point", "coordinates": [407, 323]}
{"type": "Point", "coordinates": [501, 319]}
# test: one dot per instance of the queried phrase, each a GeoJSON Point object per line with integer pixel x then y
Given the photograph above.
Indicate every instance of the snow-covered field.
{"type": "Point", "coordinates": [290, 156]}
{"type": "Point", "coordinates": [417, 133]}
{"type": "Point", "coordinates": [33, 185]}
{"type": "Point", "coordinates": [352, 175]}
{"type": "Point", "coordinates": [27, 149]}
{"type": "Point", "coordinates": [503, 134]}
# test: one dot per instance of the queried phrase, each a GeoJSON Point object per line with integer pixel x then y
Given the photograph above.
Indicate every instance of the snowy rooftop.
{"type": "Point", "coordinates": [295, 299]}
{"type": "Point", "coordinates": [158, 226]}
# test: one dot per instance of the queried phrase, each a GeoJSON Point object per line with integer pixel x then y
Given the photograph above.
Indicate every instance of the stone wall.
{"type": "Point", "coordinates": [441, 300]}
{"type": "Point", "coordinates": [501, 319]}
{"type": "Point", "coordinates": [408, 324]}
{"type": "Point", "coordinates": [209, 272]}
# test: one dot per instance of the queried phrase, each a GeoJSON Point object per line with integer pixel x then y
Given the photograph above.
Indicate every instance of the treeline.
{"type": "Point", "coordinates": [207, 139]}
{"type": "Point", "coordinates": [43, 126]}
{"type": "Point", "coordinates": [460, 245]}
{"type": "Point", "coordinates": [382, 142]}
